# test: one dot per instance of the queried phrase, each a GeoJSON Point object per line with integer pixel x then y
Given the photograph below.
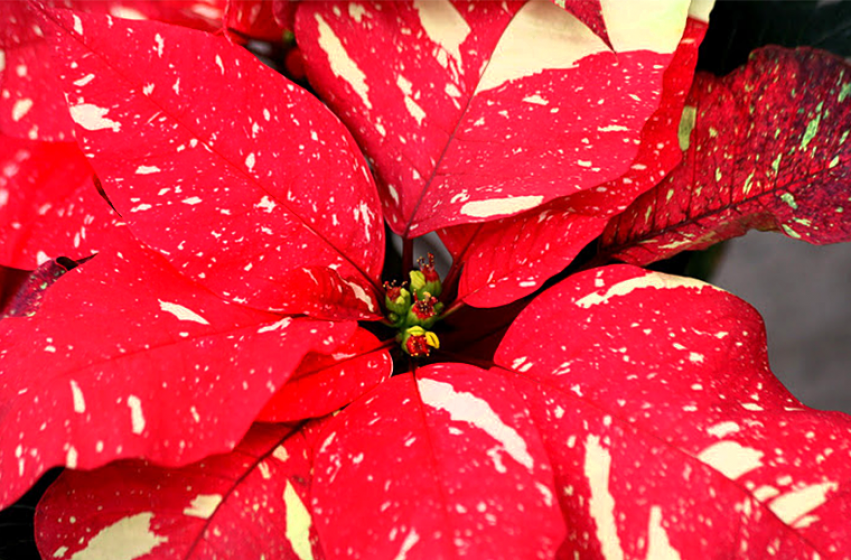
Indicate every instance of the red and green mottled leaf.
{"type": "Point", "coordinates": [461, 124]}
{"type": "Point", "coordinates": [323, 384]}
{"type": "Point", "coordinates": [49, 205]}
{"type": "Point", "coordinates": [446, 465]}
{"type": "Point", "coordinates": [244, 181]}
{"type": "Point", "coordinates": [510, 258]}
{"type": "Point", "coordinates": [668, 434]}
{"type": "Point", "coordinates": [251, 503]}
{"type": "Point", "coordinates": [765, 148]}
{"type": "Point", "coordinates": [127, 358]}
{"type": "Point", "coordinates": [31, 101]}
{"type": "Point", "coordinates": [27, 294]}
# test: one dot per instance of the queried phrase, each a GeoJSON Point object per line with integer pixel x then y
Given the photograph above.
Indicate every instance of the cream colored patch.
{"type": "Point", "coordinates": [557, 38]}
{"type": "Point", "coordinates": [411, 539]}
{"type": "Point", "coordinates": [137, 417]}
{"type": "Point", "coordinates": [598, 464]}
{"type": "Point", "coordinates": [466, 407]}
{"type": "Point", "coordinates": [182, 313]}
{"type": "Point", "coordinates": [658, 545]}
{"type": "Point", "coordinates": [126, 539]}
{"type": "Point", "coordinates": [798, 503]}
{"type": "Point", "coordinates": [203, 506]}
{"type": "Point", "coordinates": [79, 401]}
{"type": "Point", "coordinates": [147, 169]}
{"type": "Point", "coordinates": [298, 524]}
{"type": "Point", "coordinates": [731, 458]}
{"type": "Point", "coordinates": [699, 9]}
{"type": "Point", "coordinates": [500, 206]}
{"type": "Point", "coordinates": [92, 117]}
{"type": "Point", "coordinates": [21, 108]}
{"type": "Point", "coordinates": [444, 25]}
{"type": "Point", "coordinates": [655, 280]}
{"type": "Point", "coordinates": [341, 64]}
{"type": "Point", "coordinates": [415, 110]}
{"type": "Point", "coordinates": [653, 25]}
{"type": "Point", "coordinates": [536, 99]}
{"type": "Point", "coordinates": [723, 429]}
{"type": "Point", "coordinates": [2, 60]}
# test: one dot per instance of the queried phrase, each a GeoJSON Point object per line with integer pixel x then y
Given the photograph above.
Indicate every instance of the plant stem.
{"type": "Point", "coordinates": [407, 256]}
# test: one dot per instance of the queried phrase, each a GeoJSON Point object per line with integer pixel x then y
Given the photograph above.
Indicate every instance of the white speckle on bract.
{"type": "Point", "coordinates": [84, 80]}
{"type": "Point", "coordinates": [797, 503]}
{"type": "Point", "coordinates": [611, 128]}
{"type": "Point", "coordinates": [160, 44]}
{"type": "Point", "coordinates": [182, 313]}
{"type": "Point", "coordinates": [298, 524]}
{"type": "Point", "coordinates": [2, 60]}
{"type": "Point", "coordinates": [41, 258]}
{"type": "Point", "coordinates": [731, 459]}
{"type": "Point", "coordinates": [655, 280]}
{"type": "Point", "coordinates": [411, 539]}
{"type": "Point", "coordinates": [191, 201]}
{"type": "Point", "coordinates": [78, 25]}
{"type": "Point", "coordinates": [658, 545]}
{"type": "Point", "coordinates": [356, 12]}
{"type": "Point", "coordinates": [77, 395]}
{"type": "Point", "coordinates": [361, 295]}
{"type": "Point", "coordinates": [466, 407]}
{"type": "Point", "coordinates": [71, 458]}
{"type": "Point", "coordinates": [137, 418]}
{"type": "Point", "coordinates": [250, 161]}
{"type": "Point", "coordinates": [598, 464]}
{"type": "Point", "coordinates": [60, 552]}
{"type": "Point", "coordinates": [126, 539]}
{"type": "Point", "coordinates": [147, 169]}
{"type": "Point", "coordinates": [203, 506]}
{"type": "Point", "coordinates": [723, 429]}
{"type": "Point", "coordinates": [141, 208]}
{"type": "Point", "coordinates": [444, 25]}
{"type": "Point", "coordinates": [266, 203]}
{"type": "Point", "coordinates": [92, 117]}
{"type": "Point", "coordinates": [499, 206]}
{"type": "Point", "coordinates": [220, 64]}
{"type": "Point", "coordinates": [21, 108]}
{"type": "Point", "coordinates": [341, 64]}
{"type": "Point", "coordinates": [282, 324]}
{"type": "Point", "coordinates": [148, 89]}
{"type": "Point", "coordinates": [536, 99]}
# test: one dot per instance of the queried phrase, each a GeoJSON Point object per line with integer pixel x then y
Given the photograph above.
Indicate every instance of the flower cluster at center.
{"type": "Point", "coordinates": [414, 311]}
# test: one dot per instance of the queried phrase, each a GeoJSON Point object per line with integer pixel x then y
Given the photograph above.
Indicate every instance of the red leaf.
{"type": "Point", "coordinates": [323, 384]}
{"type": "Point", "coordinates": [251, 503]}
{"type": "Point", "coordinates": [127, 358]}
{"type": "Point", "coordinates": [511, 258]}
{"type": "Point", "coordinates": [49, 206]}
{"type": "Point", "coordinates": [589, 12]}
{"type": "Point", "coordinates": [443, 466]}
{"type": "Point", "coordinates": [461, 129]}
{"type": "Point", "coordinates": [252, 165]}
{"type": "Point", "coordinates": [767, 151]}
{"type": "Point", "coordinates": [666, 429]}
{"type": "Point", "coordinates": [32, 105]}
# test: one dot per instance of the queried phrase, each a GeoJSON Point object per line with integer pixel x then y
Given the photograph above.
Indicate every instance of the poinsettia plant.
{"type": "Point", "coordinates": [221, 351]}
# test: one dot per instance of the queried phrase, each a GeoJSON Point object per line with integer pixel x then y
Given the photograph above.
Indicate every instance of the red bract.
{"type": "Point", "coordinates": [49, 205]}
{"type": "Point", "coordinates": [31, 101]}
{"type": "Point", "coordinates": [224, 194]}
{"type": "Point", "coordinates": [511, 258]}
{"type": "Point", "coordinates": [462, 125]}
{"type": "Point", "coordinates": [625, 434]}
{"type": "Point", "coordinates": [765, 149]}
